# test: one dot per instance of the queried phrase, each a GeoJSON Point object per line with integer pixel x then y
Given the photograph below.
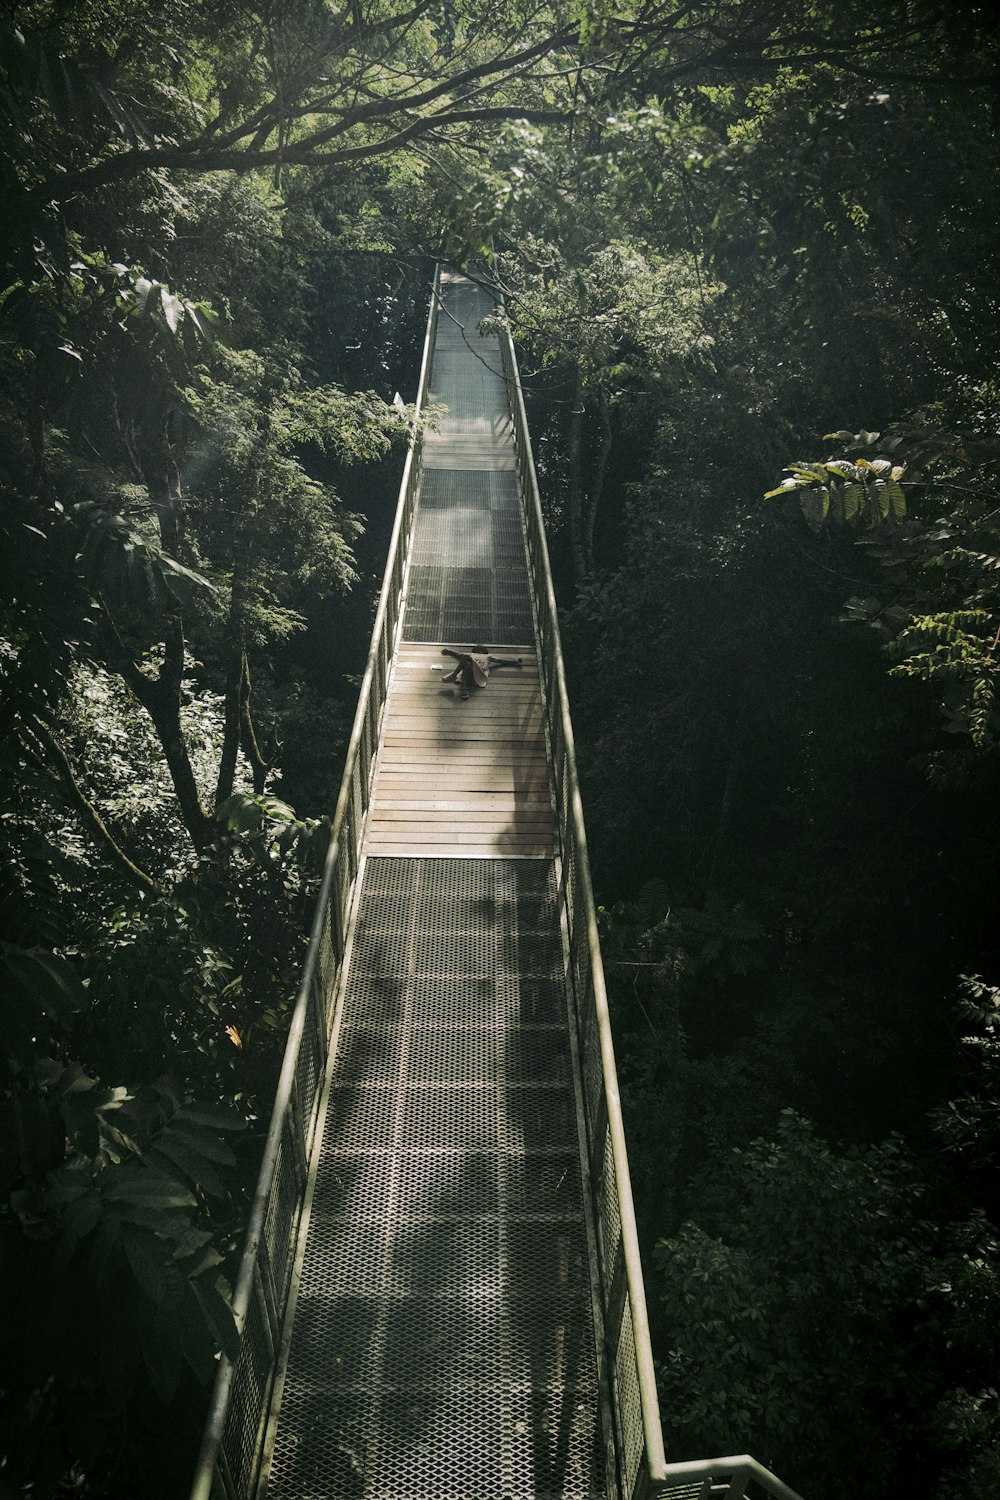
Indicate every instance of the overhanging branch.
{"type": "Point", "coordinates": [42, 747]}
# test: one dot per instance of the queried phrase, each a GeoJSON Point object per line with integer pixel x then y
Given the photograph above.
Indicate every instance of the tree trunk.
{"type": "Point", "coordinates": [161, 696]}
{"type": "Point", "coordinates": [231, 732]}
{"type": "Point", "coordinates": [164, 485]}
{"type": "Point", "coordinates": [725, 807]}
{"type": "Point", "coordinates": [163, 705]}
{"type": "Point", "coordinates": [576, 524]}
{"type": "Point", "coordinates": [234, 690]}
{"type": "Point", "coordinates": [597, 488]}
{"type": "Point", "coordinates": [248, 735]}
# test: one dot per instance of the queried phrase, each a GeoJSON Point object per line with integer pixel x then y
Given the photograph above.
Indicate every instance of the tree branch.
{"type": "Point", "coordinates": [204, 154]}
{"type": "Point", "coordinates": [64, 776]}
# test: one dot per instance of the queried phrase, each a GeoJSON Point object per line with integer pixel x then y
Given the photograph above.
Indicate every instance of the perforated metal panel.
{"type": "Point", "coordinates": [468, 575]}
{"type": "Point", "coordinates": [475, 431]}
{"type": "Point", "coordinates": [443, 1343]}
{"type": "Point", "coordinates": [469, 489]}
{"type": "Point", "coordinates": [467, 604]}
{"type": "Point", "coordinates": [461, 537]}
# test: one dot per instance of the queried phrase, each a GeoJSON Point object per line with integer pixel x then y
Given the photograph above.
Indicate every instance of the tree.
{"type": "Point", "coordinates": [938, 557]}
{"type": "Point", "coordinates": [722, 230]}
{"type": "Point", "coordinates": [810, 1323]}
{"type": "Point", "coordinates": [612, 326]}
{"type": "Point", "coordinates": [170, 518]}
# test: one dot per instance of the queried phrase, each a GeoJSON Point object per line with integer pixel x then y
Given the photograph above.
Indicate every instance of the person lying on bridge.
{"type": "Point", "coordinates": [474, 666]}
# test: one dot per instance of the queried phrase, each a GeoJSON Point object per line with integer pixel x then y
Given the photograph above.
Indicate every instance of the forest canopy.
{"type": "Point", "coordinates": [748, 252]}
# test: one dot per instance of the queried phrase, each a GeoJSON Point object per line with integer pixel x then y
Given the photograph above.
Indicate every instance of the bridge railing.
{"type": "Point", "coordinates": [737, 1478]}
{"type": "Point", "coordinates": [626, 1354]}
{"type": "Point", "coordinates": [231, 1449]}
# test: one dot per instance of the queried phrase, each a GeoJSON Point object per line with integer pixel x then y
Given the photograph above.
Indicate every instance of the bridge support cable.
{"type": "Point", "coordinates": [441, 1294]}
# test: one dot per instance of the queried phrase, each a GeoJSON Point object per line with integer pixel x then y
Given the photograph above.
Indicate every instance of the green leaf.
{"type": "Point", "coordinates": [174, 1149]}
{"type": "Point", "coordinates": [815, 505]}
{"type": "Point", "coordinates": [43, 980]}
{"type": "Point", "coordinates": [197, 1341]}
{"type": "Point", "coordinates": [191, 1241]}
{"type": "Point", "coordinates": [167, 1089]}
{"type": "Point", "coordinates": [82, 1216]}
{"type": "Point", "coordinates": [148, 1189]}
{"type": "Point", "coordinates": [178, 570]}
{"type": "Point", "coordinates": [119, 1346]}
{"type": "Point", "coordinates": [106, 1243]}
{"type": "Point", "coordinates": [218, 1315]}
{"type": "Point", "coordinates": [144, 1253]}
{"type": "Point", "coordinates": [170, 1222]}
{"type": "Point", "coordinates": [895, 497]}
{"type": "Point", "coordinates": [203, 1261]}
{"type": "Point", "coordinates": [173, 310]}
{"type": "Point", "coordinates": [854, 498]}
{"type": "Point", "coordinates": [201, 1139]}
{"type": "Point", "coordinates": [786, 488]}
{"type": "Point", "coordinates": [214, 1116]}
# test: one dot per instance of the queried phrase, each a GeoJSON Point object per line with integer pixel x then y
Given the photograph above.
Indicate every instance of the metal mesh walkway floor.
{"type": "Point", "coordinates": [442, 1339]}
{"type": "Point", "coordinates": [468, 576]}
{"type": "Point", "coordinates": [443, 1343]}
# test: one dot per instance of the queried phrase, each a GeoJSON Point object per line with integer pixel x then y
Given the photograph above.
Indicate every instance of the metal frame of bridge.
{"type": "Point", "coordinates": [441, 1294]}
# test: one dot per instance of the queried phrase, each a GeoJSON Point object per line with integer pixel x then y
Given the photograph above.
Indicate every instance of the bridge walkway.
{"type": "Point", "coordinates": [440, 1295]}
{"type": "Point", "coordinates": [442, 1338]}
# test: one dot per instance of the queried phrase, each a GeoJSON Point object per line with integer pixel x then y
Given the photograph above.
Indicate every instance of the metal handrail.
{"type": "Point", "coordinates": [262, 1281]}
{"type": "Point", "coordinates": [724, 1477]}
{"type": "Point", "coordinates": [230, 1455]}
{"type": "Point", "coordinates": [568, 794]}
{"type": "Point", "coordinates": [629, 1348]}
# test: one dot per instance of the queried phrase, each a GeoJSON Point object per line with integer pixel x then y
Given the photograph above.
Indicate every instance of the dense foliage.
{"type": "Point", "coordinates": [736, 240]}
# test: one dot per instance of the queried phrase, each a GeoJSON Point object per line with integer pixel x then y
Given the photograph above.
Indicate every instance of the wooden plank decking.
{"type": "Point", "coordinates": [461, 779]}
{"type": "Point", "coordinates": [464, 779]}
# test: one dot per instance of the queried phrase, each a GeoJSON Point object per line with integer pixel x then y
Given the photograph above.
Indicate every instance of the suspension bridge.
{"type": "Point", "coordinates": [441, 1295]}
